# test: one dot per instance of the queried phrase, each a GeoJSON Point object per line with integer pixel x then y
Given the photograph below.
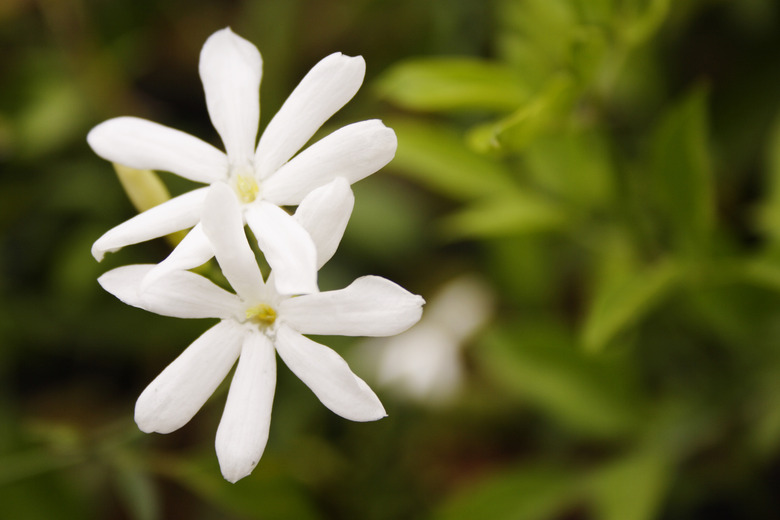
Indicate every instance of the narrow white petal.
{"type": "Point", "coordinates": [180, 294]}
{"type": "Point", "coordinates": [369, 306]}
{"type": "Point", "coordinates": [183, 294]}
{"type": "Point", "coordinates": [173, 215]}
{"type": "Point", "coordinates": [320, 94]}
{"type": "Point", "coordinates": [353, 152]}
{"type": "Point", "coordinates": [175, 396]}
{"type": "Point", "coordinates": [328, 376]}
{"type": "Point", "coordinates": [243, 430]}
{"type": "Point", "coordinates": [191, 252]}
{"type": "Point", "coordinates": [224, 227]}
{"type": "Point", "coordinates": [287, 247]}
{"type": "Point", "coordinates": [142, 144]}
{"type": "Point", "coordinates": [125, 283]}
{"type": "Point", "coordinates": [324, 214]}
{"type": "Point", "coordinates": [231, 68]}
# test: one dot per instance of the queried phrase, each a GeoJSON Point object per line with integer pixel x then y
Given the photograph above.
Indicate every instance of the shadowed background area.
{"type": "Point", "coordinates": [587, 193]}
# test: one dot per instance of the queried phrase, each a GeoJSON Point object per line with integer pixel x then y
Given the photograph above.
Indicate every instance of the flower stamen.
{"type": "Point", "coordinates": [247, 188]}
{"type": "Point", "coordinates": [263, 315]}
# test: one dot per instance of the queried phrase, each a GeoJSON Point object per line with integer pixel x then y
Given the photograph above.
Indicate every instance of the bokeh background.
{"type": "Point", "coordinates": [603, 174]}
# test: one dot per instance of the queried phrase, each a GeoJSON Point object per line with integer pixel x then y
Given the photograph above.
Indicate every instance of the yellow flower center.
{"type": "Point", "coordinates": [263, 315]}
{"type": "Point", "coordinates": [247, 188]}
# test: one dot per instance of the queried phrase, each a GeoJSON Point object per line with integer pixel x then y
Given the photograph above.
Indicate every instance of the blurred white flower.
{"type": "Point", "coordinates": [256, 322]}
{"type": "Point", "coordinates": [262, 177]}
{"type": "Point", "coordinates": [425, 363]}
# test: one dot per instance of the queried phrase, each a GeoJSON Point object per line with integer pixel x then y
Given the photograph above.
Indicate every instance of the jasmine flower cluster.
{"type": "Point", "coordinates": [247, 185]}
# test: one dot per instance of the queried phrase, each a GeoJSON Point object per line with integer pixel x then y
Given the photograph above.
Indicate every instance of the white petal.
{"type": "Point", "coordinates": [180, 390]}
{"type": "Point", "coordinates": [243, 430]}
{"type": "Point", "coordinates": [370, 306]}
{"type": "Point", "coordinates": [142, 144]}
{"type": "Point", "coordinates": [324, 214]}
{"type": "Point", "coordinates": [320, 94]}
{"type": "Point", "coordinates": [224, 227]}
{"type": "Point", "coordinates": [422, 363]}
{"type": "Point", "coordinates": [461, 306]}
{"type": "Point", "coordinates": [125, 283]}
{"type": "Point", "coordinates": [287, 247]}
{"type": "Point", "coordinates": [173, 215]}
{"type": "Point", "coordinates": [328, 376]}
{"type": "Point", "coordinates": [191, 252]}
{"type": "Point", "coordinates": [231, 68]}
{"type": "Point", "coordinates": [180, 294]}
{"type": "Point", "coordinates": [353, 152]}
{"type": "Point", "coordinates": [183, 294]}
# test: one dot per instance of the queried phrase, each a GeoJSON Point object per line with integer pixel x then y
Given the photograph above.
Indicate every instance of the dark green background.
{"type": "Point", "coordinates": [611, 169]}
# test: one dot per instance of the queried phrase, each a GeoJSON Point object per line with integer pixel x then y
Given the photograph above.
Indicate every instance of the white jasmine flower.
{"type": "Point", "coordinates": [256, 322]}
{"type": "Point", "coordinates": [262, 177]}
{"type": "Point", "coordinates": [425, 363]}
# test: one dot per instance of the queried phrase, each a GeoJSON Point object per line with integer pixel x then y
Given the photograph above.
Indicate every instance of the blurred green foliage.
{"type": "Point", "coordinates": [610, 167]}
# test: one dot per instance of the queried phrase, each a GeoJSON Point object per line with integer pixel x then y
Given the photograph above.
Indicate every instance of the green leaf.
{"type": "Point", "coordinates": [21, 466]}
{"type": "Point", "coordinates": [595, 11]}
{"type": "Point", "coordinates": [573, 164]}
{"type": "Point", "coordinates": [443, 84]}
{"type": "Point", "coordinates": [624, 298]}
{"type": "Point", "coordinates": [64, 496]}
{"type": "Point", "coordinates": [634, 486]}
{"type": "Point", "coordinates": [733, 304]}
{"type": "Point", "coordinates": [138, 493]}
{"type": "Point", "coordinates": [645, 22]}
{"type": "Point", "coordinates": [681, 175]}
{"type": "Point", "coordinates": [437, 157]}
{"type": "Point", "coordinates": [514, 132]}
{"type": "Point", "coordinates": [588, 51]}
{"type": "Point", "coordinates": [525, 493]}
{"type": "Point", "coordinates": [59, 446]}
{"type": "Point", "coordinates": [516, 213]}
{"type": "Point", "coordinates": [536, 36]}
{"type": "Point", "coordinates": [763, 272]}
{"type": "Point", "coordinates": [540, 363]}
{"type": "Point", "coordinates": [769, 216]}
{"type": "Point", "coordinates": [267, 494]}
{"type": "Point", "coordinates": [765, 428]}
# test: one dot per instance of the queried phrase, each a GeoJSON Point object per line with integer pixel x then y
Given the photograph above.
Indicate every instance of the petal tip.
{"type": "Point", "coordinates": [146, 422]}
{"type": "Point", "coordinates": [92, 136]}
{"type": "Point", "coordinates": [382, 414]}
{"type": "Point", "coordinates": [359, 65]}
{"type": "Point", "coordinates": [356, 60]}
{"type": "Point", "coordinates": [99, 249]}
{"type": "Point", "coordinates": [143, 425]}
{"type": "Point", "coordinates": [151, 418]}
{"type": "Point", "coordinates": [95, 135]}
{"type": "Point", "coordinates": [236, 470]}
{"type": "Point", "coordinates": [98, 253]}
{"type": "Point", "coordinates": [388, 138]}
{"type": "Point", "coordinates": [354, 64]}
{"type": "Point", "coordinates": [225, 40]}
{"type": "Point", "coordinates": [225, 32]}
{"type": "Point", "coordinates": [375, 412]}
